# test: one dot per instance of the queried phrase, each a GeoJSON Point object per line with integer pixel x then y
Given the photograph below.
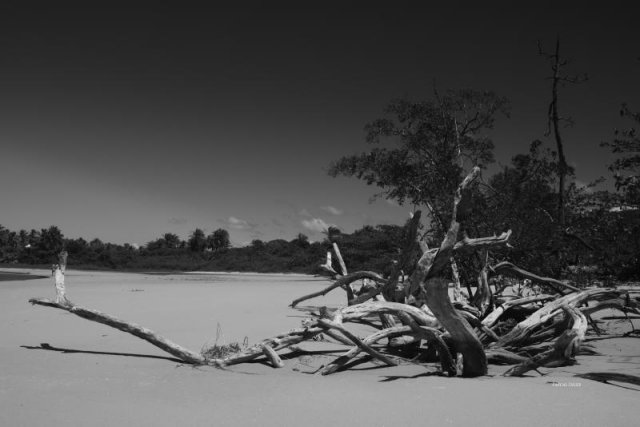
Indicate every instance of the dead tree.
{"type": "Point", "coordinates": [474, 331]}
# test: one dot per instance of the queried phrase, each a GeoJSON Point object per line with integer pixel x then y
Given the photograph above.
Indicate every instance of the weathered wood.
{"type": "Point", "coordinates": [522, 330]}
{"type": "Point", "coordinates": [375, 354]}
{"type": "Point", "coordinates": [437, 293]}
{"type": "Point", "coordinates": [406, 252]}
{"type": "Point", "coordinates": [493, 317]}
{"type": "Point", "coordinates": [327, 266]}
{"type": "Point", "coordinates": [370, 308]}
{"type": "Point", "coordinates": [500, 356]}
{"type": "Point", "coordinates": [457, 294]}
{"type": "Point", "coordinates": [371, 339]}
{"type": "Point", "coordinates": [433, 339]}
{"type": "Point", "coordinates": [483, 297]}
{"type": "Point", "coordinates": [563, 350]}
{"type": "Point", "coordinates": [345, 280]}
{"type": "Point", "coordinates": [343, 266]}
{"type": "Point", "coordinates": [148, 335]}
{"type": "Point", "coordinates": [468, 244]}
{"type": "Point", "coordinates": [507, 267]}
{"type": "Point", "coordinates": [272, 356]}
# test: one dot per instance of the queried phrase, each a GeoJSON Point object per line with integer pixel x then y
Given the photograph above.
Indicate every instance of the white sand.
{"type": "Point", "coordinates": [94, 388]}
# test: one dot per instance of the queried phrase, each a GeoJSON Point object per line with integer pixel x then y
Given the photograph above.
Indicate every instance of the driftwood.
{"type": "Point", "coordinates": [342, 281]}
{"type": "Point", "coordinates": [563, 350]}
{"type": "Point", "coordinates": [124, 326]}
{"type": "Point", "coordinates": [417, 315]}
{"type": "Point", "coordinates": [507, 267]}
{"type": "Point", "coordinates": [519, 334]}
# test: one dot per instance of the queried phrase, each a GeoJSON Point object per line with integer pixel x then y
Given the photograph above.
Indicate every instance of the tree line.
{"type": "Point", "coordinates": [369, 246]}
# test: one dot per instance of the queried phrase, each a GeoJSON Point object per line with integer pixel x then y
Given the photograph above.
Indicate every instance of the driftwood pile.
{"type": "Point", "coordinates": [543, 324]}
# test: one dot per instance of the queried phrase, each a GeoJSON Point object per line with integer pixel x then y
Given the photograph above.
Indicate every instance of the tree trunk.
{"type": "Point", "coordinates": [437, 294]}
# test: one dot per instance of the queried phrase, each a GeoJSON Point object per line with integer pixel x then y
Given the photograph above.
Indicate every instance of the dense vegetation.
{"type": "Point", "coordinates": [369, 247]}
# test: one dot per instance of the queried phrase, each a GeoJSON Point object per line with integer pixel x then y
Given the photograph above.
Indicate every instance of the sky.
{"type": "Point", "coordinates": [127, 123]}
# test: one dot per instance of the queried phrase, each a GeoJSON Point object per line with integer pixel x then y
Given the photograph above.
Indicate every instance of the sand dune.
{"type": "Point", "coordinates": [91, 375]}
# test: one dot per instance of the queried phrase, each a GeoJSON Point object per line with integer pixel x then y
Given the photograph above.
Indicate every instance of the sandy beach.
{"type": "Point", "coordinates": [88, 374]}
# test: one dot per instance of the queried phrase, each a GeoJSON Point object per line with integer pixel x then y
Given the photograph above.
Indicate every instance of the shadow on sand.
{"type": "Point", "coordinates": [46, 346]}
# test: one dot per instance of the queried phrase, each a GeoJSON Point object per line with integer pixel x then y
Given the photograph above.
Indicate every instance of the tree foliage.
{"type": "Point", "coordinates": [626, 168]}
{"type": "Point", "coordinates": [219, 240]}
{"type": "Point", "coordinates": [429, 144]}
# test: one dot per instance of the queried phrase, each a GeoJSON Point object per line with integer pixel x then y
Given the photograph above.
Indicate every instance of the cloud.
{"type": "Point", "coordinates": [317, 225]}
{"type": "Point", "coordinates": [304, 212]}
{"type": "Point", "coordinates": [332, 210]}
{"type": "Point", "coordinates": [238, 224]}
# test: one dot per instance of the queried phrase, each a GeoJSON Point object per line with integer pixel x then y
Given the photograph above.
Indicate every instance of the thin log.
{"type": "Point", "coordinates": [476, 323]}
{"type": "Point", "coordinates": [272, 356]}
{"type": "Point", "coordinates": [469, 244]}
{"type": "Point", "coordinates": [337, 337]}
{"type": "Point", "coordinates": [557, 285]}
{"type": "Point", "coordinates": [457, 295]}
{"type": "Point", "coordinates": [343, 266]}
{"type": "Point", "coordinates": [278, 342]}
{"type": "Point", "coordinates": [148, 335]}
{"type": "Point", "coordinates": [370, 308]}
{"type": "Point", "coordinates": [343, 270]}
{"type": "Point", "coordinates": [375, 354]}
{"type": "Point", "coordinates": [483, 297]}
{"type": "Point", "coordinates": [58, 281]}
{"type": "Point", "coordinates": [327, 266]}
{"type": "Point", "coordinates": [371, 293]}
{"type": "Point", "coordinates": [493, 317]}
{"type": "Point", "coordinates": [371, 339]}
{"type": "Point", "coordinates": [345, 280]}
{"type": "Point", "coordinates": [500, 356]}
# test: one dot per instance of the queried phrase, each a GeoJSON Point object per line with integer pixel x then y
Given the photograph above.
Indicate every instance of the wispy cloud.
{"type": "Point", "coordinates": [304, 212]}
{"type": "Point", "coordinates": [332, 210]}
{"type": "Point", "coordinates": [238, 224]}
{"type": "Point", "coordinates": [317, 225]}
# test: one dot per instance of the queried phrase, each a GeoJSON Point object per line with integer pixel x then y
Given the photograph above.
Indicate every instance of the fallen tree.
{"type": "Point", "coordinates": [417, 314]}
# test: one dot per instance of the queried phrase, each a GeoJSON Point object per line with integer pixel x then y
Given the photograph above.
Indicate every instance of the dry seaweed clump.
{"type": "Point", "coordinates": [222, 351]}
{"type": "Point", "coordinates": [217, 351]}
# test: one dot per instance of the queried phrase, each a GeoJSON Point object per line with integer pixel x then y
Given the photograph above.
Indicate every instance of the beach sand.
{"type": "Point", "coordinates": [109, 378]}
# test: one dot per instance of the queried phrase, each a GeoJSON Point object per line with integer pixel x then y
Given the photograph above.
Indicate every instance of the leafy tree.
{"type": "Point", "coordinates": [432, 142]}
{"type": "Point", "coordinates": [522, 197]}
{"type": "Point", "coordinates": [219, 240]}
{"type": "Point", "coordinates": [626, 167]}
{"type": "Point", "coordinates": [96, 245]}
{"type": "Point", "coordinates": [301, 241]}
{"type": "Point", "coordinates": [257, 245]}
{"type": "Point", "coordinates": [76, 247]}
{"type": "Point", "coordinates": [51, 242]}
{"type": "Point", "coordinates": [172, 241]}
{"type": "Point", "coordinates": [333, 233]}
{"type": "Point", "coordinates": [197, 241]}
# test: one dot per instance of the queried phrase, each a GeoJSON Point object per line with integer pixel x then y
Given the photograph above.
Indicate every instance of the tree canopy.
{"type": "Point", "coordinates": [429, 144]}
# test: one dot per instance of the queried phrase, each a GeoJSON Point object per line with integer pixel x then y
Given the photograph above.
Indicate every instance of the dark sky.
{"type": "Point", "coordinates": [126, 123]}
